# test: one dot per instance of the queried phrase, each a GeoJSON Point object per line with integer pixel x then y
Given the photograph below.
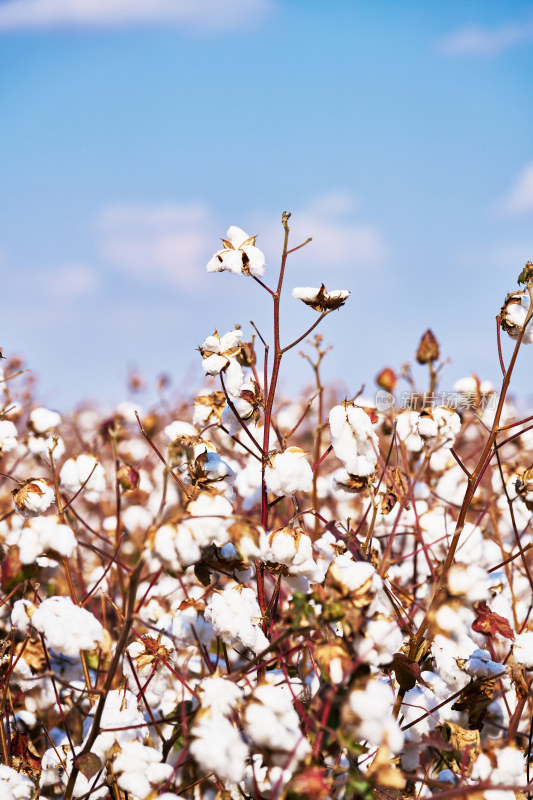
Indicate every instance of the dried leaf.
{"type": "Point", "coordinates": [475, 698]}
{"type": "Point", "coordinates": [407, 672]}
{"type": "Point", "coordinates": [88, 764]}
{"type": "Point", "coordinates": [490, 623]}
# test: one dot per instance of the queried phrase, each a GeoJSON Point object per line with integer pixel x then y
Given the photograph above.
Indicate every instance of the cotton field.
{"type": "Point", "coordinates": [262, 596]}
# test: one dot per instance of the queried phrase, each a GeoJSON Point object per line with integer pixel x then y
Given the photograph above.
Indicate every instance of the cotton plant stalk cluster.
{"type": "Point", "coordinates": [245, 595]}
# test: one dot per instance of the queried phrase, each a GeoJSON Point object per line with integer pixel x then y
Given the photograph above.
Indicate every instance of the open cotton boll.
{"type": "Point", "coordinates": [217, 746]}
{"type": "Point", "coordinates": [354, 440]}
{"type": "Point", "coordinates": [373, 708]}
{"type": "Point", "coordinates": [8, 436]}
{"type": "Point", "coordinates": [438, 423]}
{"type": "Point", "coordinates": [42, 444]}
{"type": "Point", "coordinates": [43, 535]}
{"type": "Point", "coordinates": [407, 430]}
{"type": "Point", "coordinates": [43, 420]}
{"type": "Point", "coordinates": [13, 783]}
{"type": "Point", "coordinates": [272, 722]}
{"type": "Point", "coordinates": [66, 628]}
{"type": "Point", "coordinates": [219, 695]}
{"type": "Point", "coordinates": [189, 627]}
{"type": "Point", "coordinates": [240, 255]}
{"type": "Point", "coordinates": [139, 769]}
{"type": "Point", "coordinates": [294, 550]}
{"type": "Point", "coordinates": [319, 299]}
{"type": "Point", "coordinates": [289, 472]}
{"type": "Point", "coordinates": [513, 315]}
{"type": "Point", "coordinates": [210, 517]}
{"type": "Point", "coordinates": [176, 429]}
{"type": "Point", "coordinates": [121, 722]}
{"type": "Point", "coordinates": [33, 497]}
{"type": "Point", "coordinates": [235, 616]}
{"type": "Point", "coordinates": [523, 649]}
{"type": "Point", "coordinates": [84, 469]}
{"type": "Point", "coordinates": [480, 665]}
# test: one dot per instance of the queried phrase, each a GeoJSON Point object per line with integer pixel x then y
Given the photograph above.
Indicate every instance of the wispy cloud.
{"type": "Point", "coordinates": [475, 40]}
{"type": "Point", "coordinates": [170, 244]}
{"type": "Point", "coordinates": [197, 14]}
{"type": "Point", "coordinates": [341, 240]}
{"type": "Point", "coordinates": [519, 200]}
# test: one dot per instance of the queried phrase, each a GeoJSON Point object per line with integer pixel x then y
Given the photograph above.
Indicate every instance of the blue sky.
{"type": "Point", "coordinates": [133, 134]}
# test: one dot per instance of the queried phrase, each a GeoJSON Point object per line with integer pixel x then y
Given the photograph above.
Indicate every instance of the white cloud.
{"type": "Point", "coordinates": [340, 238]}
{"type": "Point", "coordinates": [71, 281]}
{"type": "Point", "coordinates": [474, 40]}
{"type": "Point", "coordinates": [197, 14]}
{"type": "Point", "coordinates": [169, 243]}
{"type": "Point", "coordinates": [520, 198]}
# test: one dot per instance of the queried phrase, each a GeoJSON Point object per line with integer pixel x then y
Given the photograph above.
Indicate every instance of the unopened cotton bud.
{"type": "Point", "coordinates": [128, 477]}
{"type": "Point", "coordinates": [387, 379]}
{"type": "Point", "coordinates": [428, 348]}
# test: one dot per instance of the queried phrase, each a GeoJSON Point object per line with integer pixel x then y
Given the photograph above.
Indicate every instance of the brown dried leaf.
{"type": "Point", "coordinates": [490, 623]}
{"type": "Point", "coordinates": [475, 698]}
{"type": "Point", "coordinates": [407, 672]}
{"type": "Point", "coordinates": [88, 764]}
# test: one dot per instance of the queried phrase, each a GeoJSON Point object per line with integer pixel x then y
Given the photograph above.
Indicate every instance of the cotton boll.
{"type": "Point", "coordinates": [271, 721]}
{"type": "Point", "coordinates": [42, 535]}
{"type": "Point", "coordinates": [354, 440]}
{"type": "Point", "coordinates": [219, 695]}
{"type": "Point", "coordinates": [67, 628]}
{"type": "Point", "coordinates": [190, 626]}
{"type": "Point", "coordinates": [43, 420]}
{"type": "Point", "coordinates": [407, 430]}
{"type": "Point", "coordinates": [289, 472]}
{"type": "Point", "coordinates": [8, 436]}
{"type": "Point", "coordinates": [513, 316]}
{"type": "Point", "coordinates": [248, 483]}
{"type": "Point", "coordinates": [210, 517]}
{"type": "Point", "coordinates": [86, 471]}
{"type": "Point", "coordinates": [217, 746]}
{"type": "Point", "coordinates": [372, 707]}
{"type": "Point", "coordinates": [239, 256]}
{"type": "Point", "coordinates": [33, 497]}
{"type": "Point", "coordinates": [12, 782]}
{"type": "Point", "coordinates": [121, 722]}
{"type": "Point", "coordinates": [177, 429]}
{"type": "Point", "coordinates": [235, 616]}
{"type": "Point", "coordinates": [140, 769]}
{"type": "Point", "coordinates": [42, 444]}
{"type": "Point", "coordinates": [480, 665]}
{"type": "Point", "coordinates": [523, 649]}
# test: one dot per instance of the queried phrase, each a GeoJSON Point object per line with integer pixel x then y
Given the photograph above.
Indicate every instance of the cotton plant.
{"type": "Point", "coordinates": [247, 593]}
